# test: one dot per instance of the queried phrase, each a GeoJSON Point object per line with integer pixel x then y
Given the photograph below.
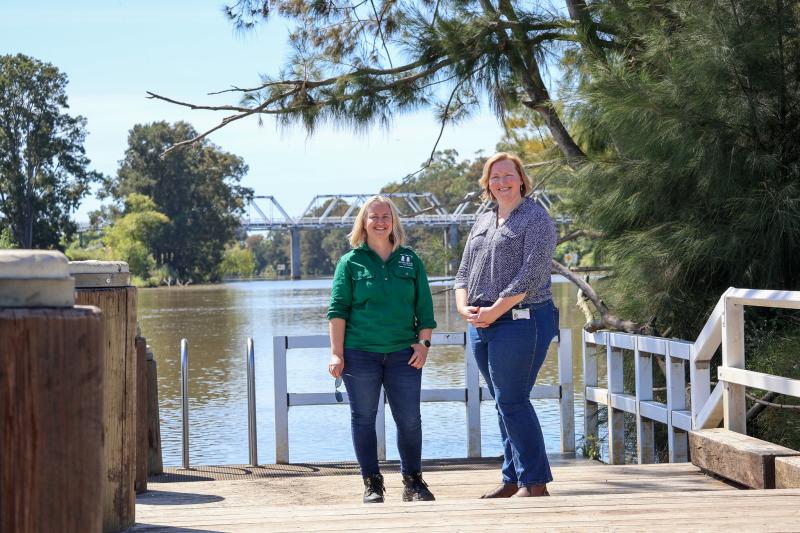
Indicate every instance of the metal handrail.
{"type": "Point", "coordinates": [185, 400]}
{"type": "Point", "coordinates": [251, 403]}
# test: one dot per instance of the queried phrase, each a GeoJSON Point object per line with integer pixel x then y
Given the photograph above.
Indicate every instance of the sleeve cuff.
{"type": "Point", "coordinates": [427, 325]}
{"type": "Point", "coordinates": [511, 291]}
{"type": "Point", "coordinates": [337, 314]}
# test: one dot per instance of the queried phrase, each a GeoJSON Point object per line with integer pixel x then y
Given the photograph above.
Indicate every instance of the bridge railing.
{"type": "Point", "coordinates": [705, 408]}
{"type": "Point", "coordinates": [471, 395]}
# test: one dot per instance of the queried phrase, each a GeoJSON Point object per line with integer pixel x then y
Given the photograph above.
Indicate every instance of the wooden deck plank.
{"type": "Point", "coordinates": [763, 511]}
{"type": "Point", "coordinates": [585, 498]}
{"type": "Point", "coordinates": [445, 484]}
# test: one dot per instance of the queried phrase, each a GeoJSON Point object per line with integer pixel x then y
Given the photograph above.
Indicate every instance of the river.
{"type": "Point", "coordinates": [218, 319]}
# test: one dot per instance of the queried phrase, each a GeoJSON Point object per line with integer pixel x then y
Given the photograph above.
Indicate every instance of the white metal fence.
{"type": "Point", "coordinates": [471, 395]}
{"type": "Point", "coordinates": [706, 408]}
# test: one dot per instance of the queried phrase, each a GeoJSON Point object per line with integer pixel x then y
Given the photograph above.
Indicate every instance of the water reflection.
{"type": "Point", "coordinates": [217, 320]}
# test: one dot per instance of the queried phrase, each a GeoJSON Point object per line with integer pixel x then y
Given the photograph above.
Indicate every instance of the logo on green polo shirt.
{"type": "Point", "coordinates": [406, 261]}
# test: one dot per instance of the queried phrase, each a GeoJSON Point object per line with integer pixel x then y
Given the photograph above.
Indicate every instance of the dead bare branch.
{"type": "Point", "coordinates": [571, 236]}
{"type": "Point", "coordinates": [607, 318]}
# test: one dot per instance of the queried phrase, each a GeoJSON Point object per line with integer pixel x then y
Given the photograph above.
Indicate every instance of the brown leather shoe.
{"type": "Point", "coordinates": [504, 490]}
{"type": "Point", "coordinates": [532, 491]}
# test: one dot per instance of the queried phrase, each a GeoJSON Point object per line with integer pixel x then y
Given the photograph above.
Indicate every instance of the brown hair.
{"type": "Point", "coordinates": [487, 168]}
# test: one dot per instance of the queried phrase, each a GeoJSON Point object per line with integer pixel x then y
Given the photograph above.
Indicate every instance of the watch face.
{"type": "Point", "coordinates": [425, 343]}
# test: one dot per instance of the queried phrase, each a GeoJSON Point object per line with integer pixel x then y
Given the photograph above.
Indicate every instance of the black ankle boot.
{"type": "Point", "coordinates": [373, 488]}
{"type": "Point", "coordinates": [415, 489]}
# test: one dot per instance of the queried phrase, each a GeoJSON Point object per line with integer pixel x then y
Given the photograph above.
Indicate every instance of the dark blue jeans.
{"type": "Point", "coordinates": [509, 354]}
{"type": "Point", "coordinates": [364, 373]}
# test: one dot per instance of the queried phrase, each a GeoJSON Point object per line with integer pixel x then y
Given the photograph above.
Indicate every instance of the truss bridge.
{"type": "Point", "coordinates": [328, 211]}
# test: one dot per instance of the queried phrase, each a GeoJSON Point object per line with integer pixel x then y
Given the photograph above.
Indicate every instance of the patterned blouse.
{"type": "Point", "coordinates": [511, 259]}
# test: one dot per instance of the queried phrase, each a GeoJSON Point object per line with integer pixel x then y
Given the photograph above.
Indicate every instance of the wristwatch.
{"type": "Point", "coordinates": [425, 342]}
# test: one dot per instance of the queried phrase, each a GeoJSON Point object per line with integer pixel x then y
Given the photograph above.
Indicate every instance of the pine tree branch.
{"type": "Point", "coordinates": [571, 236]}
{"type": "Point", "coordinates": [300, 87]}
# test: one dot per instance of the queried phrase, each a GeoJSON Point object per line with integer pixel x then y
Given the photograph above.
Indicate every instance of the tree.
{"type": "Point", "coordinates": [444, 176]}
{"type": "Point", "coordinates": [131, 237]}
{"type": "Point", "coordinates": [43, 167]}
{"type": "Point", "coordinates": [314, 259]}
{"type": "Point", "coordinates": [357, 63]}
{"type": "Point", "coordinates": [5, 239]}
{"type": "Point", "coordinates": [197, 188]}
{"type": "Point", "coordinates": [695, 164]}
{"type": "Point", "coordinates": [269, 251]}
{"type": "Point", "coordinates": [238, 261]}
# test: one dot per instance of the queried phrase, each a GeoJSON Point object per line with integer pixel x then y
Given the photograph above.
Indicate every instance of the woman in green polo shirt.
{"type": "Point", "coordinates": [381, 320]}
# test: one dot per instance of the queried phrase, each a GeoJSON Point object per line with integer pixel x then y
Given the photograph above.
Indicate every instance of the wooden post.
{"type": "Point", "coordinates": [140, 482]}
{"type": "Point", "coordinates": [733, 404]}
{"type": "Point", "coordinates": [473, 384]}
{"type": "Point", "coordinates": [51, 399]}
{"type": "Point", "coordinates": [155, 464]}
{"type": "Point", "coordinates": [105, 284]}
{"type": "Point", "coordinates": [589, 380]}
{"type": "Point", "coordinates": [281, 400]}
{"type": "Point", "coordinates": [566, 402]}
{"type": "Point", "coordinates": [645, 440]}
{"type": "Point", "coordinates": [678, 440]}
{"type": "Point", "coordinates": [616, 421]}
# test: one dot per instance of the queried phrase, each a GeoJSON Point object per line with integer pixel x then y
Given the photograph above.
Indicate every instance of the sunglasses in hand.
{"type": "Point", "coordinates": [336, 392]}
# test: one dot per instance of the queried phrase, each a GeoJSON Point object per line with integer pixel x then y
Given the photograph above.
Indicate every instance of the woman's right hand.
{"type": "Point", "coordinates": [470, 314]}
{"type": "Point", "coordinates": [336, 365]}
{"type": "Point", "coordinates": [468, 311]}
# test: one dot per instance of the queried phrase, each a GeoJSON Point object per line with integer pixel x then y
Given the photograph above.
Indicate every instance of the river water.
{"type": "Point", "coordinates": [218, 319]}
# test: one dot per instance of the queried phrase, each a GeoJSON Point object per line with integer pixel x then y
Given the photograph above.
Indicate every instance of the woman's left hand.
{"type": "Point", "coordinates": [419, 356]}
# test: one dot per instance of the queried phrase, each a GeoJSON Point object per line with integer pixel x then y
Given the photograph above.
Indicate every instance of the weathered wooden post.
{"type": "Point", "coordinates": [51, 398]}
{"type": "Point", "coordinates": [105, 284]}
{"type": "Point", "coordinates": [140, 483]}
{"type": "Point", "coordinates": [154, 462]}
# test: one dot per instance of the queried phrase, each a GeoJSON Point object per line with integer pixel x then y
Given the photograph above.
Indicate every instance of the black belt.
{"type": "Point", "coordinates": [484, 303]}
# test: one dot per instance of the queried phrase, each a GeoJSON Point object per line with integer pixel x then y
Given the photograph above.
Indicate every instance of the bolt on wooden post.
{"type": "Point", "coordinates": [51, 398]}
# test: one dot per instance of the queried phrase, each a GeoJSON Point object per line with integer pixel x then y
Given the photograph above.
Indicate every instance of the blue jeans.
{"type": "Point", "coordinates": [509, 354]}
{"type": "Point", "coordinates": [364, 373]}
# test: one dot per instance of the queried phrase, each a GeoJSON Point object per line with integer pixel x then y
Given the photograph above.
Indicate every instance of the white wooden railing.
{"type": "Point", "coordinates": [471, 395]}
{"type": "Point", "coordinates": [707, 408]}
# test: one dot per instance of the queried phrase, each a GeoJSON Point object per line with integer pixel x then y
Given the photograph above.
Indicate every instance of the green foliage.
{"type": "Point", "coordinates": [590, 447]}
{"type": "Point", "coordinates": [314, 259]}
{"type": "Point", "coordinates": [6, 240]}
{"type": "Point", "coordinates": [238, 262]}
{"type": "Point", "coordinates": [196, 188]}
{"type": "Point", "coordinates": [43, 167]}
{"type": "Point", "coordinates": [335, 244]}
{"type": "Point", "coordinates": [132, 236]}
{"type": "Point", "coordinates": [269, 251]}
{"type": "Point", "coordinates": [446, 177]}
{"type": "Point", "coordinates": [89, 247]}
{"type": "Point", "coordinates": [773, 348]}
{"type": "Point", "coordinates": [695, 171]}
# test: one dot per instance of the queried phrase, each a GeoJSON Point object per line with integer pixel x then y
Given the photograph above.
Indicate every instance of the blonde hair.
{"type": "Point", "coordinates": [358, 235]}
{"type": "Point", "coordinates": [487, 168]}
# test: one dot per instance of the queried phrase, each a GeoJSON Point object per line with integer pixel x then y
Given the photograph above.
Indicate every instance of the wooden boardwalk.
{"type": "Point", "coordinates": [586, 496]}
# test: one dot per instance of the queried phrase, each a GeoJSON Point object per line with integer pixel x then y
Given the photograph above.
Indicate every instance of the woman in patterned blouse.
{"type": "Point", "coordinates": [503, 292]}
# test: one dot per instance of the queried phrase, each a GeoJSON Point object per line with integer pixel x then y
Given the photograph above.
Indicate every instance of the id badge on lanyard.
{"type": "Point", "coordinates": [520, 314]}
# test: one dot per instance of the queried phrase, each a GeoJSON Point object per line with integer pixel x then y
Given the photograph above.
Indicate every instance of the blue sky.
{"type": "Point", "coordinates": [113, 51]}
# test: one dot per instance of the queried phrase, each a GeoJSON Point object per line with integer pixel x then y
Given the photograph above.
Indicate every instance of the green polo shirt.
{"type": "Point", "coordinates": [385, 305]}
